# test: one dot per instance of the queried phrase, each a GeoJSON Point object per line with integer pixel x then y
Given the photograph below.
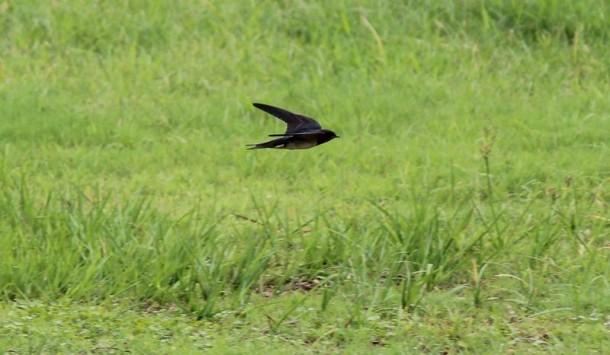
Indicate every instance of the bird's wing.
{"type": "Point", "coordinates": [307, 133]}
{"type": "Point", "coordinates": [296, 123]}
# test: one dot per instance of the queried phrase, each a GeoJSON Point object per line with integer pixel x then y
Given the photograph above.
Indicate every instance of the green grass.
{"type": "Point", "coordinates": [465, 208]}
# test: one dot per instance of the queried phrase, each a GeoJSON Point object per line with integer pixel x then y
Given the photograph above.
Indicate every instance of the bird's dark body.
{"type": "Point", "coordinates": [302, 132]}
{"type": "Point", "coordinates": [298, 141]}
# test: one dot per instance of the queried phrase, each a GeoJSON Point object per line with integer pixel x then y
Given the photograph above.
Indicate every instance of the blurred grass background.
{"type": "Point", "coordinates": [473, 167]}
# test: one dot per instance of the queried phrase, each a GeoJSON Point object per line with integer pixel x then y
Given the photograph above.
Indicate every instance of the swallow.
{"type": "Point", "coordinates": [302, 132]}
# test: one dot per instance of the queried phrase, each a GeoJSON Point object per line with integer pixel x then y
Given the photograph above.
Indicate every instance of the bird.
{"type": "Point", "coordinates": [302, 132]}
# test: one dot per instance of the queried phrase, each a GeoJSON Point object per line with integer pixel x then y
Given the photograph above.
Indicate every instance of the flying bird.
{"type": "Point", "coordinates": [302, 132]}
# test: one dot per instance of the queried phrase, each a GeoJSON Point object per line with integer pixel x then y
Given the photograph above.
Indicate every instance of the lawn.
{"type": "Point", "coordinates": [465, 208]}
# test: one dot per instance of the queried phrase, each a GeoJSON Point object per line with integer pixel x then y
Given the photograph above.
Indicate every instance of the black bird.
{"type": "Point", "coordinates": [302, 132]}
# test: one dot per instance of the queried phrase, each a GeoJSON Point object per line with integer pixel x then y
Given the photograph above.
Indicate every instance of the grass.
{"type": "Point", "coordinates": [465, 207]}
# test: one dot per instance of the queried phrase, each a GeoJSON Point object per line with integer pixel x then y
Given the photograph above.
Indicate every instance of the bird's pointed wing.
{"type": "Point", "coordinates": [295, 122]}
{"type": "Point", "coordinates": [308, 133]}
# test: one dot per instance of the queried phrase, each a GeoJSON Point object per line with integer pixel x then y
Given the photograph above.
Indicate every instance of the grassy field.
{"type": "Point", "coordinates": [465, 208]}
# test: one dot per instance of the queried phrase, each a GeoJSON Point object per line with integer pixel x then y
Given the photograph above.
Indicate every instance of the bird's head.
{"type": "Point", "coordinates": [327, 135]}
{"type": "Point", "coordinates": [330, 134]}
